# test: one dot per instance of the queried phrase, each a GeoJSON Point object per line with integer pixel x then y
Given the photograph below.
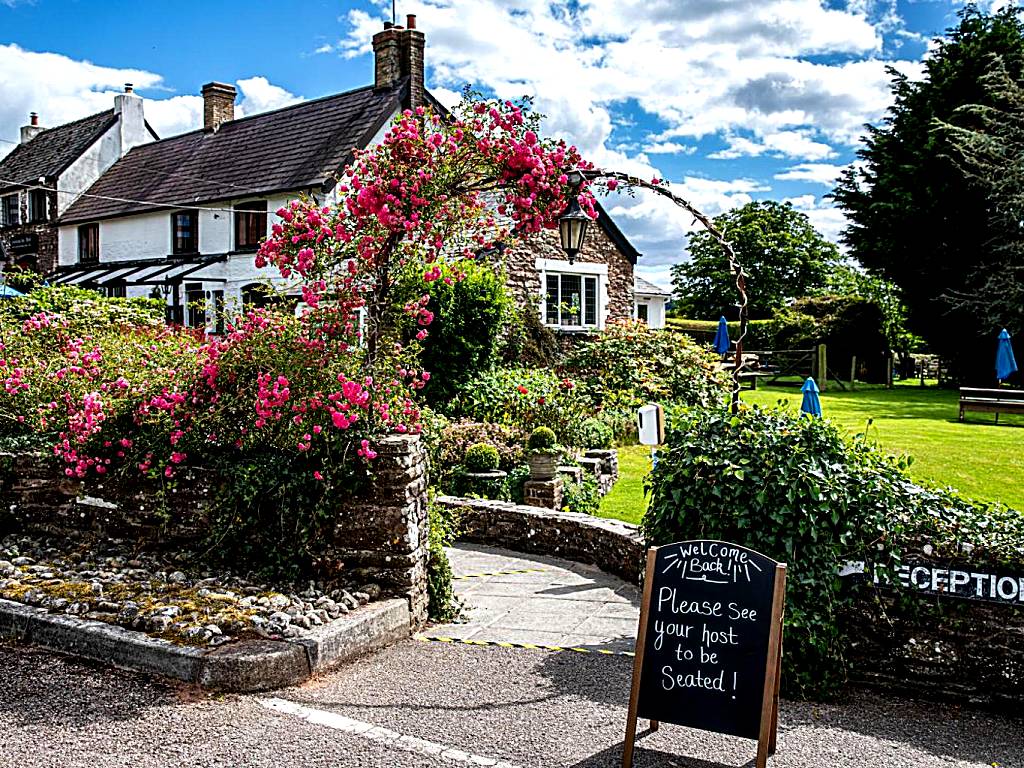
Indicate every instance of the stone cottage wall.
{"type": "Point", "coordinates": [380, 536]}
{"type": "Point", "coordinates": [524, 280]}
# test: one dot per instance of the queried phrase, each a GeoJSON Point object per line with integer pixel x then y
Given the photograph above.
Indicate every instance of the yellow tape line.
{"type": "Point", "coordinates": [527, 646]}
{"type": "Point", "coordinates": [498, 573]}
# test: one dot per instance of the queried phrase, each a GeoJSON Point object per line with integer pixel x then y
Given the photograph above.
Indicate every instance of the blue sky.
{"type": "Point", "coordinates": [730, 100]}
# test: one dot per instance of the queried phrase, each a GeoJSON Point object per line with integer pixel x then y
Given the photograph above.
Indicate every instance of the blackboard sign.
{"type": "Point", "coordinates": [709, 642]}
{"type": "Point", "coordinates": [24, 243]}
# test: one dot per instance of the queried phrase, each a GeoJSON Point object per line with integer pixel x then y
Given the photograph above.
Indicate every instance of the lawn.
{"type": "Point", "coordinates": [982, 460]}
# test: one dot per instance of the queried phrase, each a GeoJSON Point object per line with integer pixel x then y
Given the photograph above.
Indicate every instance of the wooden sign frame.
{"type": "Point", "coordinates": [767, 740]}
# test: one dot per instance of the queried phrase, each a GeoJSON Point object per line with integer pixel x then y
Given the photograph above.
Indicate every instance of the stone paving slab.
{"type": "Point", "coordinates": [549, 602]}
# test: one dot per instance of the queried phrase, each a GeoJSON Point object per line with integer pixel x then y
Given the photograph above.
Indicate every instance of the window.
{"type": "Point", "coordinates": [9, 211]}
{"type": "Point", "coordinates": [641, 312]}
{"type": "Point", "coordinates": [89, 243]}
{"type": "Point", "coordinates": [195, 299]}
{"type": "Point", "coordinates": [185, 232]}
{"type": "Point", "coordinates": [38, 205]}
{"type": "Point", "coordinates": [570, 300]}
{"type": "Point", "coordinates": [250, 225]}
{"type": "Point", "coordinates": [117, 290]}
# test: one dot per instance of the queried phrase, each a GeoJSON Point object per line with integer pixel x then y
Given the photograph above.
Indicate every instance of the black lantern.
{"type": "Point", "coordinates": [572, 226]}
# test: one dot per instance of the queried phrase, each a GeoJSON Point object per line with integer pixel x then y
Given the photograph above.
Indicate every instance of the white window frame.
{"type": "Point", "coordinates": [554, 267]}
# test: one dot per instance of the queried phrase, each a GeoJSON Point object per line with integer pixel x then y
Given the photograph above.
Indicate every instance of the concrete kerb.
{"type": "Point", "coordinates": [613, 546]}
{"type": "Point", "coordinates": [252, 665]}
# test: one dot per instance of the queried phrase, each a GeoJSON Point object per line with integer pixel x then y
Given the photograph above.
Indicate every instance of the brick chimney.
{"type": "Point", "coordinates": [398, 53]}
{"type": "Point", "coordinates": [218, 105]}
{"type": "Point", "coordinates": [29, 132]}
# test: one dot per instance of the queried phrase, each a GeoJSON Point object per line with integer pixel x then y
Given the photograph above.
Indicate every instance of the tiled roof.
{"type": "Point", "coordinates": [51, 151]}
{"type": "Point", "coordinates": [287, 149]}
{"type": "Point", "coordinates": [648, 288]}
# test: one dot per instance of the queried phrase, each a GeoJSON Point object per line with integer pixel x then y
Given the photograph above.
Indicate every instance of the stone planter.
{"type": "Point", "coordinates": [543, 466]}
{"type": "Point", "coordinates": [487, 485]}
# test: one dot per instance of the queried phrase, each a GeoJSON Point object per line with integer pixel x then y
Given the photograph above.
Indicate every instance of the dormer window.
{"type": "Point", "coordinates": [184, 232]}
{"type": "Point", "coordinates": [250, 225]}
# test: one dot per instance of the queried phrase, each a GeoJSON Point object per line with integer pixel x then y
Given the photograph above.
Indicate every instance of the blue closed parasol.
{"type": "Point", "coordinates": [722, 343]}
{"type": "Point", "coordinates": [1006, 364]}
{"type": "Point", "coordinates": [811, 404]}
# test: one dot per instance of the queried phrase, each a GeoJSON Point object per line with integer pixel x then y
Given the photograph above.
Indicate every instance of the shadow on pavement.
{"type": "Point", "coordinates": [37, 687]}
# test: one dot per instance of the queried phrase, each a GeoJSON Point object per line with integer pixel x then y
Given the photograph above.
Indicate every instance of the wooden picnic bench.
{"type": "Point", "coordinates": [991, 401]}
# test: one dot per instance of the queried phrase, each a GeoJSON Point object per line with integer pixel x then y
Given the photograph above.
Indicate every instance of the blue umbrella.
{"type": "Point", "coordinates": [1006, 365]}
{"type": "Point", "coordinates": [811, 404]}
{"type": "Point", "coordinates": [6, 292]}
{"type": "Point", "coordinates": [722, 342]}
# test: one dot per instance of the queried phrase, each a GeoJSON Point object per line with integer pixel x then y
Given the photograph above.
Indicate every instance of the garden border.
{"type": "Point", "coordinates": [241, 667]}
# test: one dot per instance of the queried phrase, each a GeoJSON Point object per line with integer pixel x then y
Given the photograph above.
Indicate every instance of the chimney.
{"type": "Point", "coordinates": [218, 105]}
{"type": "Point", "coordinates": [398, 53]}
{"type": "Point", "coordinates": [29, 132]}
{"type": "Point", "coordinates": [131, 119]}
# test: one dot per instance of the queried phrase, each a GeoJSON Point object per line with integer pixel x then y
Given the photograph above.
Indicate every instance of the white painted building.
{"type": "Point", "coordinates": [649, 302]}
{"type": "Point", "coordinates": [45, 174]}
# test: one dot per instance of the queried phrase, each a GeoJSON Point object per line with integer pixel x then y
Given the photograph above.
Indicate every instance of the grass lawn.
{"type": "Point", "coordinates": [982, 460]}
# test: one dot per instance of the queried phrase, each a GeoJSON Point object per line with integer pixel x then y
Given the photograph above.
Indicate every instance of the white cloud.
{"type": "Point", "coordinates": [62, 89]}
{"type": "Point", "coordinates": [825, 217]}
{"type": "Point", "coordinates": [669, 148]}
{"type": "Point", "coordinates": [816, 173]}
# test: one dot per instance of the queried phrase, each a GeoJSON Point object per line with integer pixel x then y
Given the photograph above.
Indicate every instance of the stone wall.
{"type": "Point", "coordinates": [380, 536]}
{"type": "Point", "coordinates": [524, 280]}
{"type": "Point", "coordinates": [611, 545]}
{"type": "Point", "coordinates": [43, 257]}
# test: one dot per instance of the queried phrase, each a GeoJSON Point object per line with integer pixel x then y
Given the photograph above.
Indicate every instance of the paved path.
{"type": "Point", "coordinates": [443, 705]}
{"type": "Point", "coordinates": [539, 600]}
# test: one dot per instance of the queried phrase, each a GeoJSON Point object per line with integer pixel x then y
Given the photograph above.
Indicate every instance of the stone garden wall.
{"type": "Point", "coordinates": [380, 536]}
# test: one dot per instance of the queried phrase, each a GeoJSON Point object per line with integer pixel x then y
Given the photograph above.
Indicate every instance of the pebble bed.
{"type": "Point", "coordinates": [161, 595]}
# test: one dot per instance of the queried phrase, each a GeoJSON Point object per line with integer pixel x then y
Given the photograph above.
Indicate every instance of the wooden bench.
{"type": "Point", "coordinates": [991, 401]}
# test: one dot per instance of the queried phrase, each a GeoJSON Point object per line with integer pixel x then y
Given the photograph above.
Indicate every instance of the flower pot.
{"type": "Point", "coordinates": [543, 466]}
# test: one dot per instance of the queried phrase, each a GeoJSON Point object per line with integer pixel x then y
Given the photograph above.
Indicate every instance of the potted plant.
{"type": "Point", "coordinates": [543, 455]}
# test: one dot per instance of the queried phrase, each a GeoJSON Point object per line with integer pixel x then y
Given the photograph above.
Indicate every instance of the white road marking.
{"type": "Point", "coordinates": [372, 732]}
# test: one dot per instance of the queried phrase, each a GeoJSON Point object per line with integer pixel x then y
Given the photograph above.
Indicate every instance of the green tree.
{"type": "Point", "coordinates": [913, 217]}
{"type": "Point", "coordinates": [989, 149]}
{"type": "Point", "coordinates": [782, 254]}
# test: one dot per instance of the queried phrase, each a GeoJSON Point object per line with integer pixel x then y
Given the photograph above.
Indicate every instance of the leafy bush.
{"type": "Point", "coordinates": [87, 309]}
{"type": "Point", "coordinates": [481, 457]}
{"type": "Point", "coordinates": [454, 439]}
{"type": "Point", "coordinates": [471, 309]}
{"type": "Point", "coordinates": [629, 364]}
{"type": "Point", "coordinates": [516, 477]}
{"type": "Point", "coordinates": [597, 434]}
{"type": "Point", "coordinates": [526, 398]}
{"type": "Point", "coordinates": [527, 342]}
{"type": "Point", "coordinates": [443, 529]}
{"type": "Point", "coordinates": [795, 490]}
{"type": "Point", "coordinates": [541, 439]}
{"type": "Point", "coordinates": [583, 498]}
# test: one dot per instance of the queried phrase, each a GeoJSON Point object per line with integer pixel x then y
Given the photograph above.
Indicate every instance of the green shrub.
{"type": "Point", "coordinates": [795, 490]}
{"type": "Point", "coordinates": [470, 485]}
{"type": "Point", "coordinates": [628, 365]}
{"type": "Point", "coordinates": [481, 457]}
{"type": "Point", "coordinates": [471, 308]}
{"type": "Point", "coordinates": [516, 477]}
{"type": "Point", "coordinates": [525, 398]}
{"type": "Point", "coordinates": [453, 439]}
{"type": "Point", "coordinates": [527, 342]}
{"type": "Point", "coordinates": [82, 308]}
{"type": "Point", "coordinates": [542, 439]}
{"type": "Point", "coordinates": [443, 525]}
{"type": "Point", "coordinates": [597, 434]}
{"type": "Point", "coordinates": [583, 497]}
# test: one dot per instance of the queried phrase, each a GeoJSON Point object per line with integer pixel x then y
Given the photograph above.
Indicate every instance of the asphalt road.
{"type": "Point", "coordinates": [435, 705]}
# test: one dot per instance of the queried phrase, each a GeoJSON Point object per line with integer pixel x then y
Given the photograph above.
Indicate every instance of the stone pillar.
{"type": "Point", "coordinates": [543, 493]}
{"type": "Point", "coordinates": [381, 535]}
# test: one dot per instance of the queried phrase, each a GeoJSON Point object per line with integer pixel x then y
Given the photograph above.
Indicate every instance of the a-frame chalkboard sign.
{"type": "Point", "coordinates": [709, 647]}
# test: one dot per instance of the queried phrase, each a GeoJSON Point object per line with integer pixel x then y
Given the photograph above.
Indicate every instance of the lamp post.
{"type": "Point", "coordinates": [572, 226]}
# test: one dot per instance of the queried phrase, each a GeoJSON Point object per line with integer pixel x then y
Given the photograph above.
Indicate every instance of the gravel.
{"type": "Point", "coordinates": [162, 596]}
